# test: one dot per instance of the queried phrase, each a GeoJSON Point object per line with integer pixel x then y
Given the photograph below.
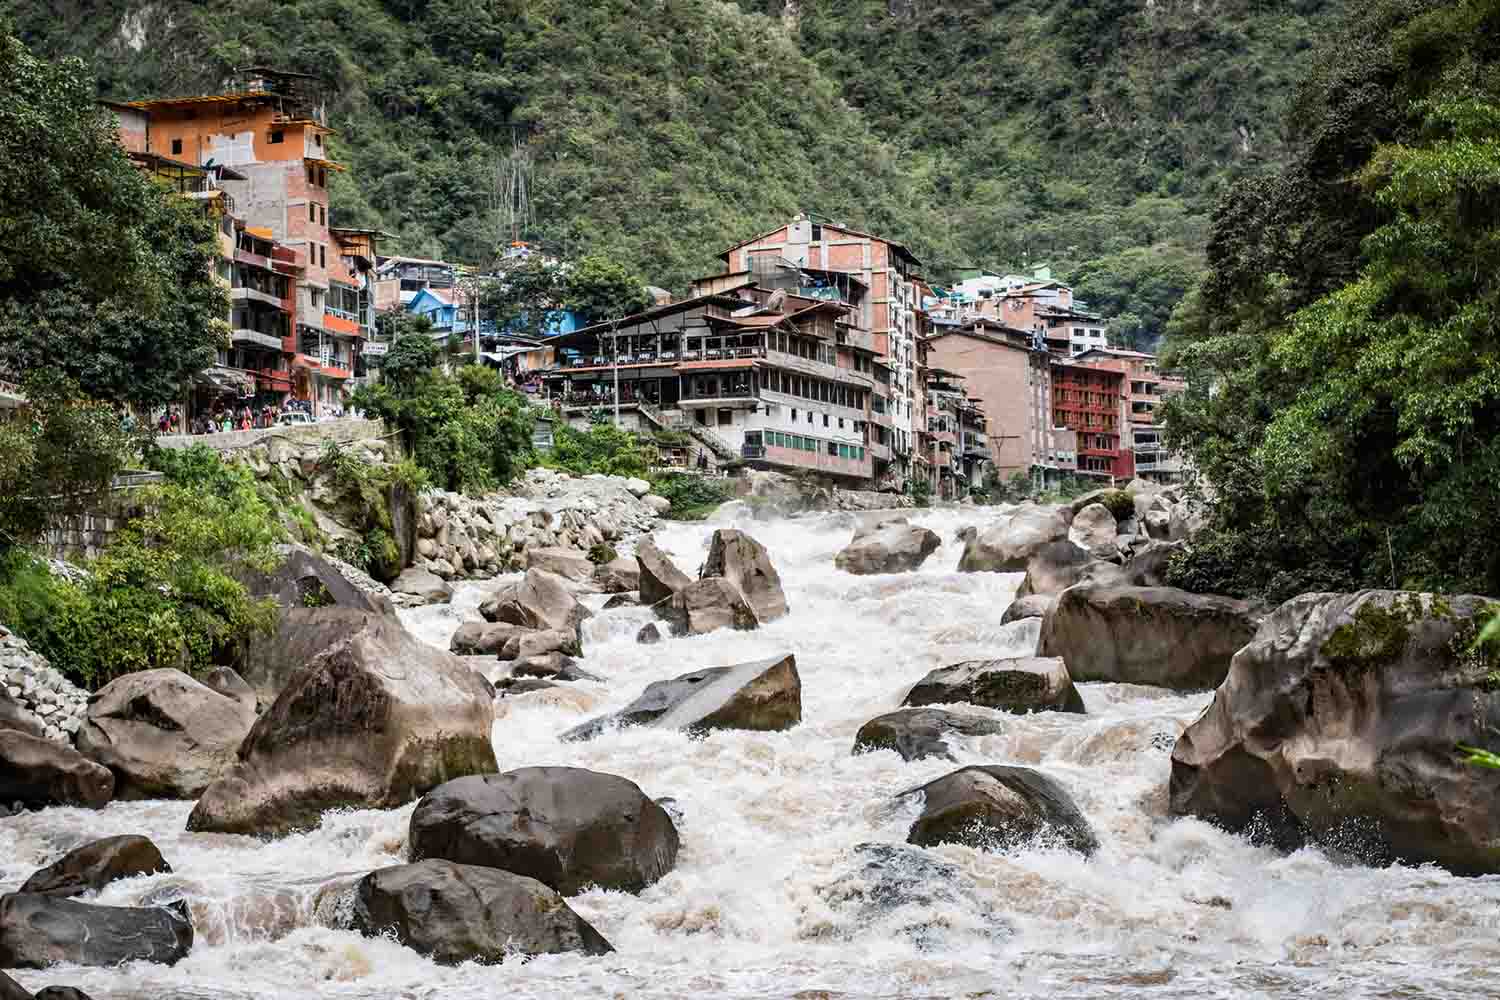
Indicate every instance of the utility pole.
{"type": "Point", "coordinates": [474, 294]}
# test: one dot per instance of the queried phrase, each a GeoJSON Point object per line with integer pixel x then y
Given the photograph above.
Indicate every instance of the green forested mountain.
{"type": "Point", "coordinates": [1091, 134]}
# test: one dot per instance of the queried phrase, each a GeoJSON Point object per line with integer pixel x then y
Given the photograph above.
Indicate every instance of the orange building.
{"type": "Point", "coordinates": [271, 131]}
{"type": "Point", "coordinates": [1087, 399]}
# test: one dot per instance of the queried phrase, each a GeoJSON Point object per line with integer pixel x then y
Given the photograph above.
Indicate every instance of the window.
{"type": "Point", "coordinates": [726, 417]}
{"type": "Point", "coordinates": [825, 420]}
{"type": "Point", "coordinates": [176, 147]}
{"type": "Point", "coordinates": [809, 416]}
{"type": "Point", "coordinates": [276, 137]}
{"type": "Point", "coordinates": [833, 449]}
{"type": "Point", "coordinates": [322, 255]}
{"type": "Point", "coordinates": [312, 212]}
{"type": "Point", "coordinates": [794, 416]}
{"type": "Point", "coordinates": [841, 423]}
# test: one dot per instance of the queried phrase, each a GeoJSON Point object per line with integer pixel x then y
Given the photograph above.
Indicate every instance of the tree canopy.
{"type": "Point", "coordinates": [1344, 349]}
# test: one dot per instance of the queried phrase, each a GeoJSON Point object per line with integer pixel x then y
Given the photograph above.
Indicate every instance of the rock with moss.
{"type": "Point", "coordinates": [1108, 631]}
{"type": "Point", "coordinates": [1339, 724]}
{"type": "Point", "coordinates": [373, 720]}
{"type": "Point", "coordinates": [1022, 684]}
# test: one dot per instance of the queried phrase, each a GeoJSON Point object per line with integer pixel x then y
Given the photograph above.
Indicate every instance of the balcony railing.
{"type": "Point", "coordinates": [753, 451]}
{"type": "Point", "coordinates": [270, 341]}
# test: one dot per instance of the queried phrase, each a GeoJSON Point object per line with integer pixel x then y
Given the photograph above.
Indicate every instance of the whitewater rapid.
{"type": "Point", "coordinates": [767, 899]}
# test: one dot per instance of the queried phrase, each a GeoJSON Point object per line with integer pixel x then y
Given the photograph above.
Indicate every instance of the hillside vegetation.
{"type": "Point", "coordinates": [1091, 135]}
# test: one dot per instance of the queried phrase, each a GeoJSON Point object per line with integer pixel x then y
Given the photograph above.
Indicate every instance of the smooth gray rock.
{"type": "Point", "coordinates": [423, 585]}
{"type": "Point", "coordinates": [763, 695]}
{"type": "Point", "coordinates": [659, 576]}
{"type": "Point", "coordinates": [735, 556]}
{"type": "Point", "coordinates": [1054, 567]}
{"type": "Point", "coordinates": [96, 864]}
{"type": "Point", "coordinates": [998, 807]}
{"type": "Point", "coordinates": [892, 546]}
{"type": "Point", "coordinates": [1094, 529]}
{"type": "Point", "coordinates": [1338, 723]}
{"type": "Point", "coordinates": [37, 931]}
{"type": "Point", "coordinates": [649, 634]}
{"type": "Point", "coordinates": [14, 716]}
{"type": "Point", "coordinates": [539, 600]}
{"type": "Point", "coordinates": [1147, 635]}
{"type": "Point", "coordinates": [705, 606]}
{"type": "Point", "coordinates": [566, 827]}
{"type": "Point", "coordinates": [1024, 684]}
{"type": "Point", "coordinates": [620, 575]}
{"type": "Point", "coordinates": [230, 684]}
{"type": "Point", "coordinates": [919, 733]}
{"type": "Point", "coordinates": [372, 722]}
{"type": "Point", "coordinates": [476, 638]}
{"type": "Point", "coordinates": [570, 564]}
{"type": "Point", "coordinates": [1008, 547]}
{"type": "Point", "coordinates": [1030, 606]}
{"type": "Point", "coordinates": [40, 772]}
{"type": "Point", "coordinates": [464, 913]}
{"type": "Point", "coordinates": [163, 734]}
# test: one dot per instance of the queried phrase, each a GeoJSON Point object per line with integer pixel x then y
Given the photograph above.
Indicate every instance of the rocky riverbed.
{"type": "Point", "coordinates": [798, 866]}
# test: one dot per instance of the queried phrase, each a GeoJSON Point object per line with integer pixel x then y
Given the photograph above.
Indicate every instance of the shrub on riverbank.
{"type": "Point", "coordinates": [693, 496]}
{"type": "Point", "coordinates": [165, 593]}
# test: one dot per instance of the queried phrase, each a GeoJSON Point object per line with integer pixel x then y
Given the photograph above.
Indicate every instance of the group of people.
{"type": "Point", "coordinates": [222, 418]}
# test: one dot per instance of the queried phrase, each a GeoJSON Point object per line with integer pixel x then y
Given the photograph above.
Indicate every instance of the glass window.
{"type": "Point", "coordinates": [833, 449]}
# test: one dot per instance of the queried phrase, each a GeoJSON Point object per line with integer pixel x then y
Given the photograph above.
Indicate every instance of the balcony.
{"type": "Point", "coordinates": [337, 323]}
{"type": "Point", "coordinates": [269, 341]}
{"type": "Point", "coordinates": [244, 293]}
{"type": "Point", "coordinates": [243, 256]}
{"type": "Point", "coordinates": [753, 451]}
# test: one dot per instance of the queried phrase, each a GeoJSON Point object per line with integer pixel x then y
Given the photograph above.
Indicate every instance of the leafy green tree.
{"type": "Point", "coordinates": [105, 276]}
{"type": "Point", "coordinates": [57, 458]}
{"type": "Point", "coordinates": [519, 299]}
{"type": "Point", "coordinates": [1342, 350]}
{"type": "Point", "coordinates": [603, 448]}
{"type": "Point", "coordinates": [412, 353]}
{"type": "Point", "coordinates": [598, 287]}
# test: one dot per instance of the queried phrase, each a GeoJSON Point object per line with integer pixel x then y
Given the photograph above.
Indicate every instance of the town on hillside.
{"type": "Point", "coordinates": [817, 348]}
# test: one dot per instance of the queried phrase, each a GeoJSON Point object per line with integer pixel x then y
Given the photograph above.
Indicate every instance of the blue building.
{"type": "Point", "coordinates": [450, 313]}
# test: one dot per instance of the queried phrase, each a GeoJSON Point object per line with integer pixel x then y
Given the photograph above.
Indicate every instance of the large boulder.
{"type": "Point", "coordinates": [464, 913]}
{"type": "Point", "coordinates": [525, 643]}
{"type": "Point", "coordinates": [15, 716]}
{"type": "Point", "coordinates": [539, 600]}
{"type": "Point", "coordinates": [620, 575]}
{"type": "Point", "coordinates": [37, 931]}
{"type": "Point", "coordinates": [1094, 529]}
{"type": "Point", "coordinates": [40, 772]}
{"type": "Point", "coordinates": [919, 733]}
{"type": "Point", "coordinates": [889, 547]}
{"type": "Point", "coordinates": [705, 606]}
{"type": "Point", "coordinates": [1026, 684]}
{"type": "Point", "coordinates": [1339, 723]}
{"type": "Point", "coordinates": [1006, 548]}
{"type": "Point", "coordinates": [743, 561]}
{"type": "Point", "coordinates": [422, 586]}
{"type": "Point", "coordinates": [163, 734]}
{"type": "Point", "coordinates": [305, 579]}
{"type": "Point", "coordinates": [482, 638]}
{"type": "Point", "coordinates": [659, 576]}
{"type": "Point", "coordinates": [228, 682]}
{"type": "Point", "coordinates": [302, 633]}
{"type": "Point", "coordinates": [1147, 635]}
{"type": "Point", "coordinates": [997, 807]}
{"type": "Point", "coordinates": [1030, 606]}
{"type": "Point", "coordinates": [373, 721]}
{"type": "Point", "coordinates": [566, 827]}
{"type": "Point", "coordinates": [96, 864]}
{"type": "Point", "coordinates": [570, 564]}
{"type": "Point", "coordinates": [764, 695]}
{"type": "Point", "coordinates": [1054, 567]}
{"type": "Point", "coordinates": [1147, 567]}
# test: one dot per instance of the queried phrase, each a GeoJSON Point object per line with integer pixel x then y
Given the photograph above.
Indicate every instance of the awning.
{"type": "Point", "coordinates": [732, 363]}
{"type": "Point", "coordinates": [226, 380]}
{"type": "Point", "coordinates": [507, 353]}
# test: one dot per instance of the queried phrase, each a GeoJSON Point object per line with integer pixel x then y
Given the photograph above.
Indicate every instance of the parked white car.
{"type": "Point", "coordinates": [293, 418]}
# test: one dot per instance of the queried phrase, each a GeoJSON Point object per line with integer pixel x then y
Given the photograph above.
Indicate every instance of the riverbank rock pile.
{"type": "Point", "coordinates": [31, 686]}
{"type": "Point", "coordinates": [461, 537]}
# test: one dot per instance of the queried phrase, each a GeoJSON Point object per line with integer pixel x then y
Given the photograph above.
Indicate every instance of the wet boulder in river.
{"type": "Point", "coordinates": [892, 546]}
{"type": "Point", "coordinates": [539, 600]}
{"type": "Point", "coordinates": [37, 931]}
{"type": "Point", "coordinates": [1021, 684]}
{"type": "Point", "coordinates": [12, 990]}
{"type": "Point", "coordinates": [1338, 723]}
{"type": "Point", "coordinates": [479, 638]}
{"type": "Point", "coordinates": [1030, 606]}
{"type": "Point", "coordinates": [620, 575]}
{"type": "Point", "coordinates": [525, 643]}
{"type": "Point", "coordinates": [421, 586]}
{"type": "Point", "coordinates": [465, 913]}
{"type": "Point", "coordinates": [1006, 548]}
{"type": "Point", "coordinates": [566, 827]}
{"type": "Point", "coordinates": [919, 733]}
{"type": "Point", "coordinates": [570, 564]}
{"type": "Point", "coordinates": [1053, 568]}
{"type": "Point", "coordinates": [705, 606]}
{"type": "Point", "coordinates": [763, 695]}
{"type": "Point", "coordinates": [373, 722]}
{"type": "Point", "coordinates": [659, 576]}
{"type": "Point", "coordinates": [742, 560]}
{"type": "Point", "coordinates": [94, 865]}
{"type": "Point", "coordinates": [998, 807]}
{"type": "Point", "coordinates": [60, 993]}
{"type": "Point", "coordinates": [649, 634]}
{"type": "Point", "coordinates": [1147, 635]}
{"type": "Point", "coordinates": [1094, 529]}
{"type": "Point", "coordinates": [163, 734]}
{"type": "Point", "coordinates": [39, 772]}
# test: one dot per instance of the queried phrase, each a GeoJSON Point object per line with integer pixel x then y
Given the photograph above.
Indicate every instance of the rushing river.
{"type": "Point", "coordinates": [764, 900]}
